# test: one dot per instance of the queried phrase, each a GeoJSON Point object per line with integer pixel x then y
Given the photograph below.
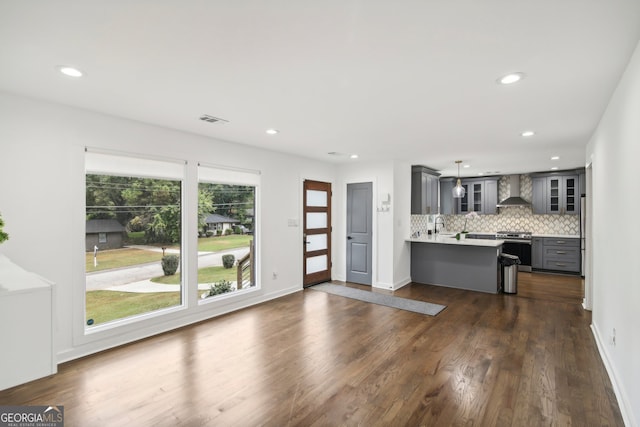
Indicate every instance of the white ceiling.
{"type": "Point", "coordinates": [384, 79]}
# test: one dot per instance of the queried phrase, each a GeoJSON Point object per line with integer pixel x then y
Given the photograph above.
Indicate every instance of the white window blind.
{"type": "Point", "coordinates": [224, 175]}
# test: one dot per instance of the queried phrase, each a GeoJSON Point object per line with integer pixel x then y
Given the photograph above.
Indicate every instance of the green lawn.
{"type": "Point", "coordinates": [205, 275]}
{"type": "Point", "coordinates": [214, 244]}
{"type": "Point", "coordinates": [104, 306]}
{"type": "Point", "coordinates": [115, 258]}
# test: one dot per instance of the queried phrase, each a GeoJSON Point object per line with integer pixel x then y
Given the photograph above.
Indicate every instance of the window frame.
{"type": "Point", "coordinates": [240, 177]}
{"type": "Point", "coordinates": [121, 169]}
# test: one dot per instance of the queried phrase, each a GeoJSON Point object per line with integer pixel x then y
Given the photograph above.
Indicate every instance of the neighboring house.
{"type": "Point", "coordinates": [220, 223]}
{"type": "Point", "coordinates": [103, 233]}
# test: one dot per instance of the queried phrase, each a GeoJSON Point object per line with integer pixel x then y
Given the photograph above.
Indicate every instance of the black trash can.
{"type": "Point", "coordinates": [509, 274]}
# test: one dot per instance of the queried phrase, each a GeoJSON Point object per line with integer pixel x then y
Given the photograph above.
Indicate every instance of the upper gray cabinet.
{"type": "Point", "coordinates": [424, 190]}
{"type": "Point", "coordinates": [481, 196]}
{"type": "Point", "coordinates": [556, 194]}
{"type": "Point", "coordinates": [448, 205]}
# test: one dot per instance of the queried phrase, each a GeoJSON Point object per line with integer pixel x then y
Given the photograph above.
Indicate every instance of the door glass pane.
{"type": "Point", "coordinates": [316, 263]}
{"type": "Point", "coordinates": [316, 242]}
{"type": "Point", "coordinates": [316, 198]}
{"type": "Point", "coordinates": [316, 220]}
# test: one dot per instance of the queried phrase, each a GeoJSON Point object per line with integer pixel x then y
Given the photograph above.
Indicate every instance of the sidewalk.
{"type": "Point", "coordinates": [136, 278]}
{"type": "Point", "coordinates": [147, 286]}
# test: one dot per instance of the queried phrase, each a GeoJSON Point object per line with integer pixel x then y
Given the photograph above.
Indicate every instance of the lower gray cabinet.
{"type": "Point", "coordinates": [556, 254]}
{"type": "Point", "coordinates": [537, 249]}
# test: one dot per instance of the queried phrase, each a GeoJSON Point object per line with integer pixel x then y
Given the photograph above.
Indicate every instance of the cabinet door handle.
{"type": "Point", "coordinates": [560, 264]}
{"type": "Point", "coordinates": [561, 252]}
{"type": "Point", "coordinates": [560, 242]}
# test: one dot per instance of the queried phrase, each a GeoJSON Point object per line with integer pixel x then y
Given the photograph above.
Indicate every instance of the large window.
{"type": "Point", "coordinates": [132, 237]}
{"type": "Point", "coordinates": [227, 260]}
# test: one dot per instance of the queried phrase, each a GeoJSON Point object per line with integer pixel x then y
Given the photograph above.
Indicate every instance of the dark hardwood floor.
{"type": "Point", "coordinates": [314, 359]}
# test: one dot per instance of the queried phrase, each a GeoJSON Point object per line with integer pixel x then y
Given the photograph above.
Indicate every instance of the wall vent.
{"type": "Point", "coordinates": [211, 119]}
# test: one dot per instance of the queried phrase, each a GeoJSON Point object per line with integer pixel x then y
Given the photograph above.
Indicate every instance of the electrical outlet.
{"type": "Point", "coordinates": [275, 275]}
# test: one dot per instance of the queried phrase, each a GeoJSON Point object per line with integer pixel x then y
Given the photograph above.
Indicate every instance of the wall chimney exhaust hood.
{"type": "Point", "coordinates": [514, 198]}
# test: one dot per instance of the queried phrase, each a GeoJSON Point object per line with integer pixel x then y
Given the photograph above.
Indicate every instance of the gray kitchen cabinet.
{"type": "Point", "coordinates": [556, 254]}
{"type": "Point", "coordinates": [556, 194]}
{"type": "Point", "coordinates": [424, 190]}
{"type": "Point", "coordinates": [481, 196]}
{"type": "Point", "coordinates": [539, 196]}
{"type": "Point", "coordinates": [490, 196]}
{"type": "Point", "coordinates": [537, 250]}
{"type": "Point", "coordinates": [448, 205]}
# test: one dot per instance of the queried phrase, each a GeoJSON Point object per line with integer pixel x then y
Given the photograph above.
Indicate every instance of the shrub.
{"type": "Point", "coordinates": [228, 260]}
{"type": "Point", "coordinates": [209, 233]}
{"type": "Point", "coordinates": [170, 264]}
{"type": "Point", "coordinates": [228, 231]}
{"type": "Point", "coordinates": [221, 287]}
{"type": "Point", "coordinates": [218, 232]}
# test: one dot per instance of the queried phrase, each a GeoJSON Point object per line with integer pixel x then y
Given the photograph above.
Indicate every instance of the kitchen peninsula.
{"type": "Point", "coordinates": [470, 264]}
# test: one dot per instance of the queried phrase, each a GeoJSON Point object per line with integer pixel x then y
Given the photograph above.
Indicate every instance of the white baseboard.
{"type": "Point", "coordinates": [623, 402]}
{"type": "Point", "coordinates": [402, 283]}
{"type": "Point", "coordinates": [392, 286]}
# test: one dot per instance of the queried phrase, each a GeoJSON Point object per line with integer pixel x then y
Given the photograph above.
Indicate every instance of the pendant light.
{"type": "Point", "coordinates": [458, 191]}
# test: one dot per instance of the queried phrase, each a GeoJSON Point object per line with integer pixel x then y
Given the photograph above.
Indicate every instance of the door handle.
{"type": "Point", "coordinates": [349, 237]}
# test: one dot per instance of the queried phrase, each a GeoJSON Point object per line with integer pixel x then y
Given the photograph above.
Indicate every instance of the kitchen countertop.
{"type": "Point", "coordinates": [451, 240]}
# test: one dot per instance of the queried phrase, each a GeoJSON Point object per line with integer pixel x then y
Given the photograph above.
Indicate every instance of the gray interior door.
{"type": "Point", "coordinates": [359, 232]}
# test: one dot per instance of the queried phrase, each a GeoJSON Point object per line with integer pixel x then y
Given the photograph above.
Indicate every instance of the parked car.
{"type": "Point", "coordinates": [244, 230]}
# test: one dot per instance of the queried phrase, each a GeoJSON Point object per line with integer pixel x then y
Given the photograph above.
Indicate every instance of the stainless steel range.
{"type": "Point", "coordinates": [517, 243]}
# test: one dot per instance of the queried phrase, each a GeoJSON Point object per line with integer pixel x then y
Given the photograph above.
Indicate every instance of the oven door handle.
{"type": "Point", "coordinates": [524, 242]}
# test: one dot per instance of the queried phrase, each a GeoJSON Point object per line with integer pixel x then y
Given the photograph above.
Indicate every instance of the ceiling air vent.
{"type": "Point", "coordinates": [211, 119]}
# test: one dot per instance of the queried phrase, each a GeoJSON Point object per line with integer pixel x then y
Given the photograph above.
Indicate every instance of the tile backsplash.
{"type": "Point", "coordinates": [510, 219]}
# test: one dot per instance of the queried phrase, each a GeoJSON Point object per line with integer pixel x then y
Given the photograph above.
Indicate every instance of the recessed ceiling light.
{"type": "Point", "coordinates": [554, 168]}
{"type": "Point", "coordinates": [353, 156]}
{"type": "Point", "coordinates": [480, 174]}
{"type": "Point", "coordinates": [555, 158]}
{"type": "Point", "coordinates": [466, 166]}
{"type": "Point", "coordinates": [511, 78]}
{"type": "Point", "coordinates": [527, 133]}
{"type": "Point", "coordinates": [272, 131]}
{"type": "Point", "coordinates": [70, 71]}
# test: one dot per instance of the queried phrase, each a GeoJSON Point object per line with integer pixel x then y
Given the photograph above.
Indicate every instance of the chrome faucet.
{"type": "Point", "coordinates": [435, 224]}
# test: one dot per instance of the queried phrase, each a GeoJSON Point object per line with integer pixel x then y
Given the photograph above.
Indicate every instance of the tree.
{"type": "Point", "coordinates": [231, 200]}
{"type": "Point", "coordinates": [141, 204]}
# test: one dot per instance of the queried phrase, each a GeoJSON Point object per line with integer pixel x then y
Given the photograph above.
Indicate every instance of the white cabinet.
{"type": "Point", "coordinates": [26, 326]}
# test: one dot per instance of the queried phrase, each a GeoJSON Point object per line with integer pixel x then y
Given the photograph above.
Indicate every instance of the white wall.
{"type": "Point", "coordinates": [391, 228]}
{"type": "Point", "coordinates": [42, 199]}
{"type": "Point", "coordinates": [402, 223]}
{"type": "Point", "coordinates": [614, 151]}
